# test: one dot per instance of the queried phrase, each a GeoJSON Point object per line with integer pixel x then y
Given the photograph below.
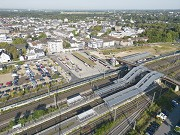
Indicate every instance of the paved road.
{"type": "Point", "coordinates": [170, 122]}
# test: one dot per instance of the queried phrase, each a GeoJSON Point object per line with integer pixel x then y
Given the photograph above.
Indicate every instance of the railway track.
{"type": "Point", "coordinates": [163, 62]}
{"type": "Point", "coordinates": [122, 127]}
{"type": "Point", "coordinates": [140, 100]}
{"type": "Point", "coordinates": [53, 122]}
{"type": "Point", "coordinates": [38, 126]}
{"type": "Point", "coordinates": [54, 89]}
{"type": "Point", "coordinates": [121, 111]}
{"type": "Point", "coordinates": [11, 114]}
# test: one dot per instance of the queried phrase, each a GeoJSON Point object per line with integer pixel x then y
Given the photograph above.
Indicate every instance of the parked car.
{"type": "Point", "coordinates": [1, 85]}
{"type": "Point", "coordinates": [5, 95]}
{"type": "Point", "coordinates": [161, 116]}
{"type": "Point", "coordinates": [42, 79]}
{"type": "Point", "coordinates": [8, 90]}
{"type": "Point", "coordinates": [175, 103]}
{"type": "Point", "coordinates": [9, 83]}
{"type": "Point", "coordinates": [152, 128]}
{"type": "Point", "coordinates": [177, 128]}
{"type": "Point", "coordinates": [155, 125]}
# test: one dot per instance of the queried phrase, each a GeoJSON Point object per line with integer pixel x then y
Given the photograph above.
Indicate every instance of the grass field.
{"type": "Point", "coordinates": [84, 59]}
{"type": "Point", "coordinates": [155, 49]}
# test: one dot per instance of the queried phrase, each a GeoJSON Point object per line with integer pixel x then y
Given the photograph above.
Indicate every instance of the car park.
{"type": "Point", "coordinates": [152, 128]}
{"type": "Point", "coordinates": [31, 76]}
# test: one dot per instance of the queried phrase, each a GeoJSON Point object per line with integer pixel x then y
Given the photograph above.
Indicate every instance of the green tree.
{"type": "Point", "coordinates": [18, 41]}
{"type": "Point", "coordinates": [66, 44]}
{"type": "Point", "coordinates": [10, 50]}
{"type": "Point", "coordinates": [93, 33]}
{"type": "Point", "coordinates": [42, 36]}
{"type": "Point", "coordinates": [38, 113]}
{"type": "Point", "coordinates": [169, 37]}
{"type": "Point", "coordinates": [97, 28]}
{"type": "Point", "coordinates": [75, 33]}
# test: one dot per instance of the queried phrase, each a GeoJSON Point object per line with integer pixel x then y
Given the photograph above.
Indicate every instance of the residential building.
{"type": "Point", "coordinates": [1, 67]}
{"type": "Point", "coordinates": [55, 46]}
{"type": "Point", "coordinates": [4, 38]}
{"type": "Point", "coordinates": [34, 53]}
{"type": "Point", "coordinates": [4, 57]}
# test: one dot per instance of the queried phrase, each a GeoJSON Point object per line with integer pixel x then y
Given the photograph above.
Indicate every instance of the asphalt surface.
{"type": "Point", "coordinates": [168, 125]}
{"type": "Point", "coordinates": [13, 113]}
{"type": "Point", "coordinates": [73, 77]}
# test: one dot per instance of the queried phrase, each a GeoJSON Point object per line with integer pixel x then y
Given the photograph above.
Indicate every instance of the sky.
{"type": "Point", "coordinates": [90, 4]}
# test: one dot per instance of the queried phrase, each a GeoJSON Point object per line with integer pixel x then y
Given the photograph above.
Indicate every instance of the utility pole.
{"type": "Point", "coordinates": [91, 83]}
{"type": "Point", "coordinates": [115, 113]}
{"type": "Point", "coordinates": [137, 103]}
{"type": "Point", "coordinates": [134, 127]}
{"type": "Point", "coordinates": [118, 77]}
{"type": "Point", "coordinates": [49, 86]}
{"type": "Point", "coordinates": [153, 97]}
{"type": "Point", "coordinates": [55, 100]}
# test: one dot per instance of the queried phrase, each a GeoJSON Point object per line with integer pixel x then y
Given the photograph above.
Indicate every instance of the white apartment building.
{"type": "Point", "coordinates": [4, 58]}
{"type": "Point", "coordinates": [55, 46]}
{"type": "Point", "coordinates": [4, 38]}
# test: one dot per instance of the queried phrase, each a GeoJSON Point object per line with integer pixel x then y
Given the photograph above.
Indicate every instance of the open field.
{"type": "Point", "coordinates": [84, 59]}
{"type": "Point", "coordinates": [154, 49]}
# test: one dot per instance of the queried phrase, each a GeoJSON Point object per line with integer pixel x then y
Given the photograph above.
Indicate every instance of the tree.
{"type": "Point", "coordinates": [66, 44]}
{"type": "Point", "coordinates": [42, 36]}
{"type": "Point", "coordinates": [11, 50]}
{"type": "Point", "coordinates": [75, 33]}
{"type": "Point", "coordinates": [93, 34]}
{"type": "Point", "coordinates": [18, 41]}
{"type": "Point", "coordinates": [38, 113]}
{"type": "Point", "coordinates": [97, 28]}
{"type": "Point", "coordinates": [169, 37]}
{"type": "Point", "coordinates": [160, 32]}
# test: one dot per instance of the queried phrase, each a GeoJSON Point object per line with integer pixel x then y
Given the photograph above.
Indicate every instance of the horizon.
{"type": "Point", "coordinates": [91, 5]}
{"type": "Point", "coordinates": [80, 10]}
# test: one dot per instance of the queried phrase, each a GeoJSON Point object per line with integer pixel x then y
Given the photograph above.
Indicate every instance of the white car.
{"type": "Point", "coordinates": [175, 103]}
{"type": "Point", "coordinates": [162, 116]}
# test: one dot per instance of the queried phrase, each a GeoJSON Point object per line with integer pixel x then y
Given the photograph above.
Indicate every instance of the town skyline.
{"type": "Point", "coordinates": [91, 5]}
